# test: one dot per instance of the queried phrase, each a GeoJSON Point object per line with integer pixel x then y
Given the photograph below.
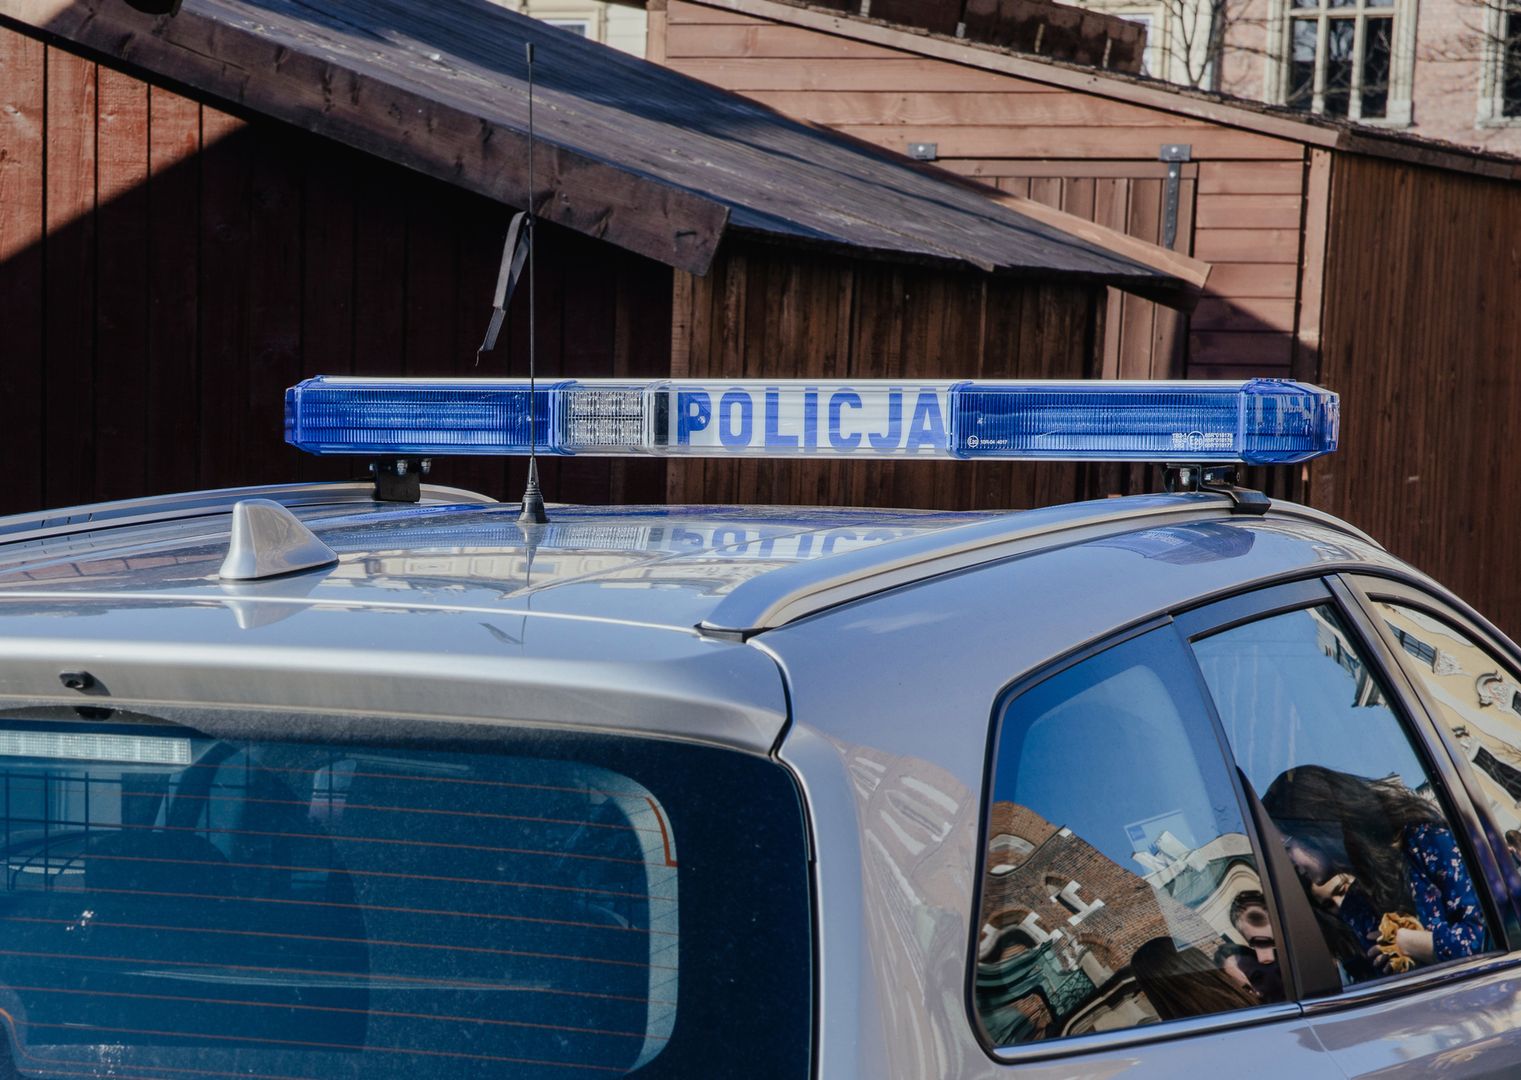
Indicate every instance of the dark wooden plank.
{"type": "Point", "coordinates": [643, 315]}
{"type": "Point", "coordinates": [431, 281]}
{"type": "Point", "coordinates": [327, 280]}
{"type": "Point", "coordinates": [275, 237]}
{"type": "Point", "coordinates": [1047, 190]}
{"type": "Point", "coordinates": [1079, 197]}
{"type": "Point", "coordinates": [1277, 211]}
{"type": "Point", "coordinates": [121, 289]}
{"type": "Point", "coordinates": [380, 258]}
{"type": "Point", "coordinates": [1205, 370]}
{"type": "Point", "coordinates": [1247, 351]}
{"type": "Point", "coordinates": [882, 296]}
{"type": "Point", "coordinates": [69, 418]}
{"type": "Point", "coordinates": [577, 291]}
{"type": "Point", "coordinates": [1169, 339]}
{"type": "Point", "coordinates": [479, 228]}
{"type": "Point", "coordinates": [1089, 168]}
{"type": "Point", "coordinates": [1138, 317]}
{"type": "Point", "coordinates": [1244, 314]}
{"type": "Point", "coordinates": [1251, 178]}
{"type": "Point", "coordinates": [171, 427]}
{"type": "Point", "coordinates": [1261, 246]}
{"type": "Point", "coordinates": [712, 41]}
{"type": "Point", "coordinates": [1111, 208]}
{"type": "Point", "coordinates": [225, 165]}
{"type": "Point", "coordinates": [1312, 276]}
{"type": "Point", "coordinates": [22, 198]}
{"type": "Point", "coordinates": [1272, 281]}
{"type": "Point", "coordinates": [907, 74]}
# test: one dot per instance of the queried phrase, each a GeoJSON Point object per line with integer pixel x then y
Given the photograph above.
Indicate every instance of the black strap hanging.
{"type": "Point", "coordinates": [514, 255]}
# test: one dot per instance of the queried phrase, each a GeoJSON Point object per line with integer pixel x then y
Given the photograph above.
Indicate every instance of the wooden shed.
{"type": "Point", "coordinates": [196, 211]}
{"type": "Point", "coordinates": [1381, 265]}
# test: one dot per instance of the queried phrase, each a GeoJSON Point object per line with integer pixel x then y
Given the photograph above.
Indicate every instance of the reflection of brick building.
{"type": "Point", "coordinates": [1060, 923]}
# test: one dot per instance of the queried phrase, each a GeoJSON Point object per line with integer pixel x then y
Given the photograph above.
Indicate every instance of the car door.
{"type": "Point", "coordinates": [1357, 786]}
{"type": "Point", "coordinates": [1124, 901]}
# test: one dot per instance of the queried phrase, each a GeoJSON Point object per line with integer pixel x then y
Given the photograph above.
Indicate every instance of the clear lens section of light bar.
{"type": "Point", "coordinates": [1259, 421]}
{"type": "Point", "coordinates": [68, 746]}
{"type": "Point", "coordinates": [603, 419]}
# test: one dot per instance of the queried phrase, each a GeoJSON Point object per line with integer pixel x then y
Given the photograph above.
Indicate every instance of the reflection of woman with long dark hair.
{"type": "Point", "coordinates": [1368, 849]}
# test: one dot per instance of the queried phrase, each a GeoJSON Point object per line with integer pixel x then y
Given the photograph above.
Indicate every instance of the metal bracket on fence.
{"type": "Point", "coordinates": [1174, 154]}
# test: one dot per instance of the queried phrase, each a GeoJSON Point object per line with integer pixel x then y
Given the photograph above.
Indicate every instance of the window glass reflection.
{"type": "Point", "coordinates": [1301, 90]}
{"type": "Point", "coordinates": [1119, 887]}
{"type": "Point", "coordinates": [1479, 699]}
{"type": "Point", "coordinates": [1378, 59]}
{"type": "Point", "coordinates": [1313, 733]}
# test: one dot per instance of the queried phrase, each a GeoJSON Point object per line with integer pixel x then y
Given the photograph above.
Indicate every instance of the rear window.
{"type": "Point", "coordinates": [219, 901]}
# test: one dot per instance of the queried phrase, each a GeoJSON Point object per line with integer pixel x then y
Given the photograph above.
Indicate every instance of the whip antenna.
{"type": "Point", "coordinates": [533, 499]}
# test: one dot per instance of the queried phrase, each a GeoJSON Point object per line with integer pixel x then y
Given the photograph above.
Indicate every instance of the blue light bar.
{"type": "Point", "coordinates": [1255, 422]}
{"type": "Point", "coordinates": [1258, 422]}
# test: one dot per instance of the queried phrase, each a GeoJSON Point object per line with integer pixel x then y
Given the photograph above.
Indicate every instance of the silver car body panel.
{"type": "Point", "coordinates": [356, 661]}
{"type": "Point", "coordinates": [877, 686]}
{"type": "Point", "coordinates": [433, 611]}
{"type": "Point", "coordinates": [898, 854]}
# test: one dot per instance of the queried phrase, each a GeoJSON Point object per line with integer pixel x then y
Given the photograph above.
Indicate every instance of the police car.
{"type": "Point", "coordinates": [379, 780]}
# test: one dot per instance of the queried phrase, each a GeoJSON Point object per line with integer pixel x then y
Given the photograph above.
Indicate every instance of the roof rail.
{"type": "Point", "coordinates": [792, 592]}
{"type": "Point", "coordinates": [109, 515]}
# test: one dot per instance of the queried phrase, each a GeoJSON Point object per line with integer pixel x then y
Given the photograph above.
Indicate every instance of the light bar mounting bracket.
{"type": "Point", "coordinates": [399, 479]}
{"type": "Point", "coordinates": [1218, 479]}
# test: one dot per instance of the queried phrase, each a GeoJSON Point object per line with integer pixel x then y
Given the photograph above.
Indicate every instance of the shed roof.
{"type": "Point", "coordinates": [1225, 109]}
{"type": "Point", "coordinates": [630, 152]}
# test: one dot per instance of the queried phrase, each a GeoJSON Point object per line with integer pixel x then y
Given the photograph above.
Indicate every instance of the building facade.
{"type": "Point", "coordinates": [620, 26]}
{"type": "Point", "coordinates": [1446, 69]}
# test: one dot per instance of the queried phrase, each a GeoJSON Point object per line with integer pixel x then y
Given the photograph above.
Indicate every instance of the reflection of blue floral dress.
{"type": "Point", "coordinates": [1443, 891]}
{"type": "Point", "coordinates": [1442, 895]}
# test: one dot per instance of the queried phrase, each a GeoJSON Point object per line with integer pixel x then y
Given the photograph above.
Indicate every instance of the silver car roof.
{"type": "Point", "coordinates": [607, 617]}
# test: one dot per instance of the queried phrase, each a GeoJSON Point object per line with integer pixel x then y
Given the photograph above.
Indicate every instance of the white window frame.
{"type": "Point", "coordinates": [1492, 68]}
{"type": "Point", "coordinates": [1400, 112]}
{"type": "Point", "coordinates": [566, 22]}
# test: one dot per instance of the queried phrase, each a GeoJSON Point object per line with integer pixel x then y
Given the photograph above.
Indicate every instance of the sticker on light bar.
{"type": "Point", "coordinates": [1257, 421]}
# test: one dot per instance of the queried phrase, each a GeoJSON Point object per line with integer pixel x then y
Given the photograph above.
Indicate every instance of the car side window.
{"type": "Point", "coordinates": [1477, 696]}
{"type": "Point", "coordinates": [1316, 737]}
{"type": "Point", "coordinates": [1119, 886]}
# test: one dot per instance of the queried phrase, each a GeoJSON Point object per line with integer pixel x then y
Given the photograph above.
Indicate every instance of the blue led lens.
{"type": "Point", "coordinates": [1259, 422]}
{"type": "Point", "coordinates": [385, 417]}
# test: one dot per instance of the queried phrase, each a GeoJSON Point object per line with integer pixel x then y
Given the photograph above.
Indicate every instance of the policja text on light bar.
{"type": "Point", "coordinates": [1258, 421]}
